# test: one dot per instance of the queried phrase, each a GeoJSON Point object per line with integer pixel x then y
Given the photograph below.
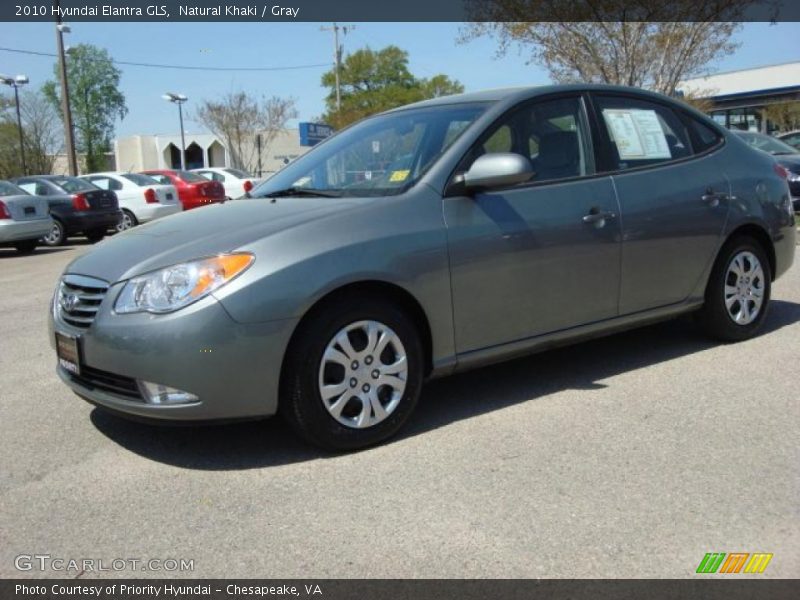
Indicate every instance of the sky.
{"type": "Point", "coordinates": [432, 49]}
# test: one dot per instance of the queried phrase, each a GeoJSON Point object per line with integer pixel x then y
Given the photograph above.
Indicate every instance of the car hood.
{"type": "Point", "coordinates": [199, 233]}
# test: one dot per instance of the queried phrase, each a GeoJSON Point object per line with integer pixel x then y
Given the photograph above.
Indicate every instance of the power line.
{"type": "Point", "coordinates": [181, 67]}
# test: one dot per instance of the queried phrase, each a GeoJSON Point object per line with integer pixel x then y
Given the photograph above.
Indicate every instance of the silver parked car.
{"type": "Point", "coordinates": [424, 241]}
{"type": "Point", "coordinates": [24, 218]}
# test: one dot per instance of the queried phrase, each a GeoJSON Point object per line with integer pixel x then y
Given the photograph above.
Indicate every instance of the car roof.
{"type": "Point", "coordinates": [522, 93]}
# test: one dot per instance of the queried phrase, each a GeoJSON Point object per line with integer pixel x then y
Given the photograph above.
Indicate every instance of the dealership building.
{"type": "Point", "coordinates": [738, 97]}
{"type": "Point", "coordinates": [163, 151]}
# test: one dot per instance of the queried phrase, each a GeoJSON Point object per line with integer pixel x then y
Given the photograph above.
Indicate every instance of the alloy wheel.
{"type": "Point", "coordinates": [53, 237]}
{"type": "Point", "coordinates": [125, 223]}
{"type": "Point", "coordinates": [744, 288]}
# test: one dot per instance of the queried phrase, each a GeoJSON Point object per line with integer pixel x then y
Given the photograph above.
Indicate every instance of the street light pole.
{"type": "Point", "coordinates": [69, 139]}
{"type": "Point", "coordinates": [179, 99]}
{"type": "Point", "coordinates": [17, 82]}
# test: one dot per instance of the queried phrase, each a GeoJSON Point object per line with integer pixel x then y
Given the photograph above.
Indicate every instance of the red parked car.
{"type": "Point", "coordinates": [193, 190]}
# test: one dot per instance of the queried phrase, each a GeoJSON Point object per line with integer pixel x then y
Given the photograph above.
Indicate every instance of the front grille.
{"type": "Point", "coordinates": [79, 299]}
{"type": "Point", "coordinates": [95, 379]}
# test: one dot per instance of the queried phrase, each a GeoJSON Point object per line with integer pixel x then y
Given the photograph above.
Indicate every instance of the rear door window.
{"type": "Point", "coordinates": [641, 133]}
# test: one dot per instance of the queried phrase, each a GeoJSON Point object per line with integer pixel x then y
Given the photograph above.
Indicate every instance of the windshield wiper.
{"type": "Point", "coordinates": [303, 191]}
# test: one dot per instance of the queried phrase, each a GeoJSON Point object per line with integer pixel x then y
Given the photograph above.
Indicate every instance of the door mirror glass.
{"type": "Point", "coordinates": [498, 170]}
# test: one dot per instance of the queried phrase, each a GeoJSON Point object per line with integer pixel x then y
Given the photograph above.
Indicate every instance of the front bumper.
{"type": "Point", "coordinates": [233, 368]}
{"type": "Point", "coordinates": [17, 231]}
{"type": "Point", "coordinates": [81, 222]}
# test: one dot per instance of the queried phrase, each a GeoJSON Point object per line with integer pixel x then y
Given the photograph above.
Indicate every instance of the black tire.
{"type": "Point", "coordinates": [714, 316]}
{"type": "Point", "coordinates": [132, 220]}
{"type": "Point", "coordinates": [57, 236]}
{"type": "Point", "coordinates": [95, 235]}
{"type": "Point", "coordinates": [26, 246]}
{"type": "Point", "coordinates": [300, 401]}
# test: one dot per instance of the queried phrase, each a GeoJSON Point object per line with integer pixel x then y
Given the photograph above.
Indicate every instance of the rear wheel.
{"type": "Point", "coordinates": [353, 374]}
{"type": "Point", "coordinates": [738, 292]}
{"type": "Point", "coordinates": [57, 235]}
{"type": "Point", "coordinates": [26, 246]}
{"type": "Point", "coordinates": [95, 235]}
{"type": "Point", "coordinates": [127, 221]}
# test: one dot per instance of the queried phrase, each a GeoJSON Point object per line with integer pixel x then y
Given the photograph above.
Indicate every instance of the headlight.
{"type": "Point", "coordinates": [174, 287]}
{"type": "Point", "coordinates": [792, 175]}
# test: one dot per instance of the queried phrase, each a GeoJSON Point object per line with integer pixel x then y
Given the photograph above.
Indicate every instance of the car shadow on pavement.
{"type": "Point", "coordinates": [583, 366]}
{"type": "Point", "coordinates": [12, 252]}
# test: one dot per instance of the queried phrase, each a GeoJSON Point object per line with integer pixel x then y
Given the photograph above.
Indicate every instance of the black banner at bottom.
{"type": "Point", "coordinates": [401, 589]}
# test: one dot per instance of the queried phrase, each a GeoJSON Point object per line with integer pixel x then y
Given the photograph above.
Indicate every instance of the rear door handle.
{"type": "Point", "coordinates": [598, 217]}
{"type": "Point", "coordinates": [713, 198]}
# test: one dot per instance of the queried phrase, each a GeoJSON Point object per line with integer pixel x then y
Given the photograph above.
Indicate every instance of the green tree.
{"type": "Point", "coordinates": [372, 81]}
{"type": "Point", "coordinates": [95, 99]}
{"type": "Point", "coordinates": [642, 43]}
{"type": "Point", "coordinates": [10, 165]}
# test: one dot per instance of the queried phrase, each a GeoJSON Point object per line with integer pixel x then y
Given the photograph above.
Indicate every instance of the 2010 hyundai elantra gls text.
{"type": "Point", "coordinates": [423, 241]}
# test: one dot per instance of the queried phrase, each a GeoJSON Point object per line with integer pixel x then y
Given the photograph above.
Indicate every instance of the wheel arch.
{"type": "Point", "coordinates": [760, 234]}
{"type": "Point", "coordinates": [389, 291]}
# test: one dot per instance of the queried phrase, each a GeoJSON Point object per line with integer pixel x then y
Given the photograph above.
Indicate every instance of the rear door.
{"type": "Point", "coordinates": [673, 193]}
{"type": "Point", "coordinates": [541, 256]}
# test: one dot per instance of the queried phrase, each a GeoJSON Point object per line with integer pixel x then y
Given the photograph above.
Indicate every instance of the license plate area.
{"type": "Point", "coordinates": [68, 352]}
{"type": "Point", "coordinates": [30, 210]}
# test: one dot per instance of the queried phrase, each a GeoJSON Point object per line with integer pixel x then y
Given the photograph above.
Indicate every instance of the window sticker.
{"type": "Point", "coordinates": [637, 133]}
{"type": "Point", "coordinates": [399, 175]}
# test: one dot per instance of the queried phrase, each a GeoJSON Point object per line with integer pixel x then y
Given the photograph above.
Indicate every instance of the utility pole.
{"type": "Point", "coordinates": [337, 56]}
{"type": "Point", "coordinates": [19, 127]}
{"type": "Point", "coordinates": [69, 140]}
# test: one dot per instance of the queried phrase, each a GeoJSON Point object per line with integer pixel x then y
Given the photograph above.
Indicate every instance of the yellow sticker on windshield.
{"type": "Point", "coordinates": [399, 175]}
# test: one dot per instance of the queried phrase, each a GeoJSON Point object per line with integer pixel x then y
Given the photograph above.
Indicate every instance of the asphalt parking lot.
{"type": "Point", "coordinates": [630, 456]}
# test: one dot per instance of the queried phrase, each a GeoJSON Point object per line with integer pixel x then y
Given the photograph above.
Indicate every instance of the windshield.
{"type": "Point", "coordinates": [9, 189]}
{"type": "Point", "coordinates": [767, 143]}
{"type": "Point", "coordinates": [380, 156]}
{"type": "Point", "coordinates": [139, 179]}
{"type": "Point", "coordinates": [73, 185]}
{"type": "Point", "coordinates": [237, 173]}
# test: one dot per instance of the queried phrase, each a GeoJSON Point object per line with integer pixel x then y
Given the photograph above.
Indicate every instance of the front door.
{"type": "Point", "coordinates": [541, 256]}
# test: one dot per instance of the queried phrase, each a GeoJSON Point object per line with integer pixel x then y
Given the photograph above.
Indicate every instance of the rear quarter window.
{"type": "Point", "coordinates": [703, 136]}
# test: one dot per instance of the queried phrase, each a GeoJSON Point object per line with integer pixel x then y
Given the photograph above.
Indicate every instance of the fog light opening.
{"type": "Point", "coordinates": [156, 393]}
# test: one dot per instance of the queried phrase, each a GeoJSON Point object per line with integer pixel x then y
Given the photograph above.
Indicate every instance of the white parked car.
{"type": "Point", "coordinates": [141, 198]}
{"type": "Point", "coordinates": [235, 181]}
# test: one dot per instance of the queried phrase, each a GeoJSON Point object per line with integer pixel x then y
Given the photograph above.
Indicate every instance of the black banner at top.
{"type": "Point", "coordinates": [277, 11]}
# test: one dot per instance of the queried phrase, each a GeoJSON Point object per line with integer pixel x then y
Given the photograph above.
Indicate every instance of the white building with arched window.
{"type": "Point", "coordinates": [163, 151]}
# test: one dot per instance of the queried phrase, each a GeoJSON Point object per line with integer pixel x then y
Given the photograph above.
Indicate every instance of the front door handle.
{"type": "Point", "coordinates": [598, 217]}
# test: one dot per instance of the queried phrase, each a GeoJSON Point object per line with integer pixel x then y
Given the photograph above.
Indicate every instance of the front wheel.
{"type": "Point", "coordinates": [352, 375]}
{"type": "Point", "coordinates": [738, 292]}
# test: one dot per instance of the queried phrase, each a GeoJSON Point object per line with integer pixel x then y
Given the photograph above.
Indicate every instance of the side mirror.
{"type": "Point", "coordinates": [497, 170]}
